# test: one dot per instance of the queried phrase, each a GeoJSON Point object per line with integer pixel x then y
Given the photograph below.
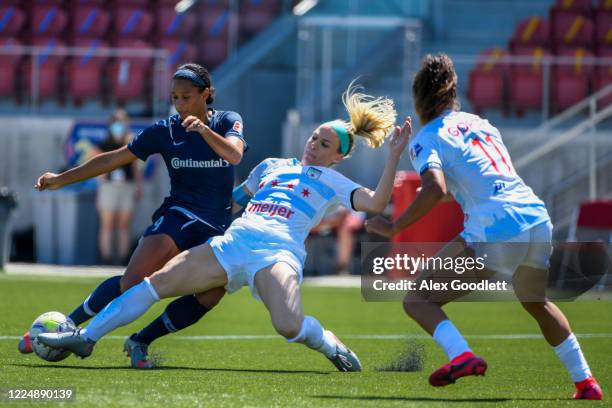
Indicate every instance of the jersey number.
{"type": "Point", "coordinates": [487, 146]}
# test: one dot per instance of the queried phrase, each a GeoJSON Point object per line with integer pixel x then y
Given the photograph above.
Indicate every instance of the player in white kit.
{"type": "Point", "coordinates": [264, 249]}
{"type": "Point", "coordinates": [462, 154]}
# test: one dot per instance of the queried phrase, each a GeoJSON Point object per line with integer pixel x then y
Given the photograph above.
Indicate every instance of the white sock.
{"type": "Point", "coordinates": [449, 338]}
{"type": "Point", "coordinates": [313, 336]}
{"type": "Point", "coordinates": [121, 311]}
{"type": "Point", "coordinates": [570, 354]}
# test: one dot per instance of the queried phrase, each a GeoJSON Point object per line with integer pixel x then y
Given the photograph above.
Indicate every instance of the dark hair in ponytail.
{"type": "Point", "coordinates": [435, 87]}
{"type": "Point", "coordinates": [203, 73]}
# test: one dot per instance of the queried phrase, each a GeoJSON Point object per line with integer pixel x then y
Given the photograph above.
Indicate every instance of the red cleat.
{"type": "Point", "coordinates": [25, 345]}
{"type": "Point", "coordinates": [461, 366]}
{"type": "Point", "coordinates": [588, 389]}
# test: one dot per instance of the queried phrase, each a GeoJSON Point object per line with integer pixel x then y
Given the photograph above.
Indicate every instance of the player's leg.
{"type": "Point", "coordinates": [425, 308]}
{"type": "Point", "coordinates": [530, 287]}
{"type": "Point", "coordinates": [278, 287]}
{"type": "Point", "coordinates": [193, 270]}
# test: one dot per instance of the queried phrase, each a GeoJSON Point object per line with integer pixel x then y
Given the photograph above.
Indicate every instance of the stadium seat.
{"type": "Point", "coordinates": [180, 52]}
{"type": "Point", "coordinates": [532, 31]}
{"type": "Point", "coordinates": [215, 35]}
{"type": "Point", "coordinates": [172, 25]}
{"type": "Point", "coordinates": [89, 21]}
{"type": "Point", "coordinates": [603, 24]}
{"type": "Point", "coordinates": [132, 22]}
{"type": "Point", "coordinates": [570, 83]}
{"type": "Point", "coordinates": [9, 64]}
{"type": "Point", "coordinates": [605, 5]}
{"type": "Point", "coordinates": [580, 6]}
{"type": "Point", "coordinates": [486, 81]}
{"type": "Point", "coordinates": [526, 82]}
{"type": "Point", "coordinates": [85, 72]}
{"type": "Point", "coordinates": [49, 68]}
{"type": "Point", "coordinates": [12, 20]}
{"type": "Point", "coordinates": [47, 21]}
{"type": "Point", "coordinates": [572, 29]}
{"type": "Point", "coordinates": [257, 14]}
{"type": "Point", "coordinates": [603, 77]}
{"type": "Point", "coordinates": [128, 76]}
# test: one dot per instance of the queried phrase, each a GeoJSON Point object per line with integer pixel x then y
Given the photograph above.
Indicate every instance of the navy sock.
{"type": "Point", "coordinates": [99, 298]}
{"type": "Point", "coordinates": [180, 313]}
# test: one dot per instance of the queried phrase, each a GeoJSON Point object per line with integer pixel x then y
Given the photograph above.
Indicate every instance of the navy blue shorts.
{"type": "Point", "coordinates": [185, 228]}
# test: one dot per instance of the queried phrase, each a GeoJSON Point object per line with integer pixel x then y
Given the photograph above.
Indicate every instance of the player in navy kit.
{"type": "Point", "coordinates": [200, 147]}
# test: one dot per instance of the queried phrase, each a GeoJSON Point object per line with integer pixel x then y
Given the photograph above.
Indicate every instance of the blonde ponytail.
{"type": "Point", "coordinates": [370, 117]}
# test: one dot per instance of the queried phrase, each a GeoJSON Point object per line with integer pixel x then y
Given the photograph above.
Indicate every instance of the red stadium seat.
{"type": "Point", "coordinates": [85, 72]}
{"type": "Point", "coordinates": [605, 5]}
{"type": "Point", "coordinates": [128, 76]}
{"type": "Point", "coordinates": [215, 21]}
{"type": "Point", "coordinates": [49, 68]}
{"type": "Point", "coordinates": [581, 6]}
{"type": "Point", "coordinates": [570, 83]}
{"type": "Point", "coordinates": [603, 23]}
{"type": "Point", "coordinates": [89, 21]}
{"type": "Point", "coordinates": [572, 29]}
{"type": "Point", "coordinates": [12, 20]}
{"type": "Point", "coordinates": [47, 21]}
{"type": "Point", "coordinates": [486, 82]}
{"type": "Point", "coordinates": [526, 82]}
{"type": "Point", "coordinates": [173, 25]}
{"type": "Point", "coordinates": [213, 52]}
{"type": "Point", "coordinates": [9, 64]}
{"type": "Point", "coordinates": [255, 15]}
{"type": "Point", "coordinates": [132, 22]}
{"type": "Point", "coordinates": [533, 31]}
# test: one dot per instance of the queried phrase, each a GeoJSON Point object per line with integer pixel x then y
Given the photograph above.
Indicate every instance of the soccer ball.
{"type": "Point", "coordinates": [50, 322]}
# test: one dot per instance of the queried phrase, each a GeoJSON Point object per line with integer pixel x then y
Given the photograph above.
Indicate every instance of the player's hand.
{"type": "Point", "coordinates": [399, 139]}
{"type": "Point", "coordinates": [193, 124]}
{"type": "Point", "coordinates": [379, 225]}
{"type": "Point", "coordinates": [48, 181]}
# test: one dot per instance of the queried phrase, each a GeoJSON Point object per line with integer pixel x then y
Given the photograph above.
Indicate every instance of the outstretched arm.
{"type": "Point", "coordinates": [99, 164]}
{"type": "Point", "coordinates": [376, 201]}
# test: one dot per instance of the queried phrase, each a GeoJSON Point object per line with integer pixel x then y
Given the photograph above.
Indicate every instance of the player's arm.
{"type": "Point", "coordinates": [229, 148]}
{"type": "Point", "coordinates": [241, 196]}
{"type": "Point", "coordinates": [99, 164]}
{"type": "Point", "coordinates": [432, 191]}
{"type": "Point", "coordinates": [376, 201]}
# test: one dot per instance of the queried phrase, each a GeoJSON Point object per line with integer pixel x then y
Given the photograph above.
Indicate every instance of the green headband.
{"type": "Point", "coordinates": [343, 135]}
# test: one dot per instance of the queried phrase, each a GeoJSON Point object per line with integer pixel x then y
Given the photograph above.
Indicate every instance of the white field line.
{"type": "Point", "coordinates": [524, 336]}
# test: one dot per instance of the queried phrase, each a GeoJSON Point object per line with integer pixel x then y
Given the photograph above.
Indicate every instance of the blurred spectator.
{"type": "Point", "coordinates": [345, 223]}
{"type": "Point", "coordinates": [117, 194]}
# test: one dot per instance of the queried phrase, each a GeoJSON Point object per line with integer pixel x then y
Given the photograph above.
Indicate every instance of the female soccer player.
{"type": "Point", "coordinates": [264, 249]}
{"type": "Point", "coordinates": [200, 147]}
{"type": "Point", "coordinates": [464, 154]}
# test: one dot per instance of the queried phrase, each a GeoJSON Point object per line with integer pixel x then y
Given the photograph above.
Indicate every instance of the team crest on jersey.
{"type": "Point", "coordinates": [313, 173]}
{"type": "Point", "coordinates": [237, 126]}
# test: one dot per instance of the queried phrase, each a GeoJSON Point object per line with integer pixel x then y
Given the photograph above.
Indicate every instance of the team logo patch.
{"type": "Point", "coordinates": [237, 126]}
{"type": "Point", "coordinates": [313, 173]}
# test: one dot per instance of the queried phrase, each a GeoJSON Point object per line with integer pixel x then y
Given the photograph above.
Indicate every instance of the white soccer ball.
{"type": "Point", "coordinates": [50, 322]}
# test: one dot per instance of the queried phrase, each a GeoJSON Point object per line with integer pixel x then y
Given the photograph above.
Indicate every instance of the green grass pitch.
{"type": "Point", "coordinates": [268, 372]}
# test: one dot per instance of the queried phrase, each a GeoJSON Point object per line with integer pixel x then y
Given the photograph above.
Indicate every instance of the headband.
{"type": "Point", "coordinates": [343, 135]}
{"type": "Point", "coordinates": [190, 75]}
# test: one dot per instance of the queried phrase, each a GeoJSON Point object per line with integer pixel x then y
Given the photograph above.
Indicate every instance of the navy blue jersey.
{"type": "Point", "coordinates": [201, 181]}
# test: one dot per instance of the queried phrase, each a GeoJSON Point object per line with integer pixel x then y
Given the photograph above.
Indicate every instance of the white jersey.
{"type": "Point", "coordinates": [479, 174]}
{"type": "Point", "coordinates": [290, 199]}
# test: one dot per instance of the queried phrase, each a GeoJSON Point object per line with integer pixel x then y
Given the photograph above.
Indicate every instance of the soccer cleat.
{"type": "Point", "coordinates": [25, 345]}
{"type": "Point", "coordinates": [72, 341]}
{"type": "Point", "coordinates": [138, 353]}
{"type": "Point", "coordinates": [344, 359]}
{"type": "Point", "coordinates": [588, 389]}
{"type": "Point", "coordinates": [461, 366]}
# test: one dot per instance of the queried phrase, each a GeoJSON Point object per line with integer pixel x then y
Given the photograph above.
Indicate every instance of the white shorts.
{"type": "Point", "coordinates": [116, 196]}
{"type": "Point", "coordinates": [242, 254]}
{"type": "Point", "coordinates": [531, 248]}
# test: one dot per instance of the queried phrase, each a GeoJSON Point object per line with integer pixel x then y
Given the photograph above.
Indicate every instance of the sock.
{"type": "Point", "coordinates": [313, 336]}
{"type": "Point", "coordinates": [180, 313]}
{"type": "Point", "coordinates": [570, 354]}
{"type": "Point", "coordinates": [99, 298]}
{"type": "Point", "coordinates": [121, 311]}
{"type": "Point", "coordinates": [448, 337]}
